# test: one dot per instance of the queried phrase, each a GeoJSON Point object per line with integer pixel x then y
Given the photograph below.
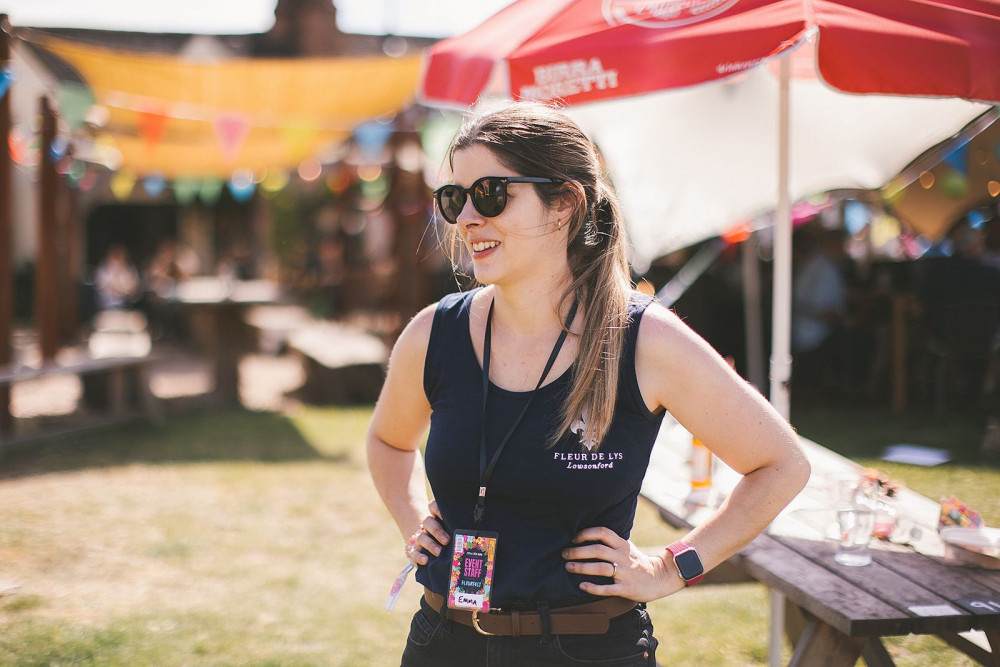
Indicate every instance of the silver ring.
{"type": "Point", "coordinates": [614, 570]}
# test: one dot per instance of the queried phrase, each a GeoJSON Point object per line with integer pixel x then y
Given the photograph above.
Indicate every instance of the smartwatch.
{"type": "Point", "coordinates": [687, 562]}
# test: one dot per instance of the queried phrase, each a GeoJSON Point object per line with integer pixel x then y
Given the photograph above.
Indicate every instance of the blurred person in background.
{"type": "Point", "coordinates": [116, 280]}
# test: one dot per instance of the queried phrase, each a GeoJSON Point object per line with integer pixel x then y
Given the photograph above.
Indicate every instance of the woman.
{"type": "Point", "coordinates": [525, 557]}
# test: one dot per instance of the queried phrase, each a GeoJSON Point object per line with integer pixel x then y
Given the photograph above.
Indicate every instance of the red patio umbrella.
{"type": "Point", "coordinates": [579, 51]}
{"type": "Point", "coordinates": [587, 50]}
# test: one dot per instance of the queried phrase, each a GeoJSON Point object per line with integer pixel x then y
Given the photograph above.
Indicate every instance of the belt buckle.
{"type": "Point", "coordinates": [475, 624]}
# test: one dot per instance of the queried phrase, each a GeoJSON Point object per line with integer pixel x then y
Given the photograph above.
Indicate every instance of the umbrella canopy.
{"type": "Point", "coordinates": [588, 50]}
{"type": "Point", "coordinates": [579, 51]}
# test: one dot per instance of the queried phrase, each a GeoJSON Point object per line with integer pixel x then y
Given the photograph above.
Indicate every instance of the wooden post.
{"type": "Point", "coordinates": [6, 233]}
{"type": "Point", "coordinates": [69, 263]}
{"type": "Point", "coordinates": [46, 281]}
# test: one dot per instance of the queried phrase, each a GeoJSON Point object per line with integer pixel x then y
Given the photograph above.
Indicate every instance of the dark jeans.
{"type": "Point", "coordinates": [433, 642]}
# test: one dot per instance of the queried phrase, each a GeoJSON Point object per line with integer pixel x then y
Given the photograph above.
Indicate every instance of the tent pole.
{"type": "Point", "coordinates": [781, 331]}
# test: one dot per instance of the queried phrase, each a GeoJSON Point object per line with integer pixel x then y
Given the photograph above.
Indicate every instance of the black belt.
{"type": "Point", "coordinates": [589, 618]}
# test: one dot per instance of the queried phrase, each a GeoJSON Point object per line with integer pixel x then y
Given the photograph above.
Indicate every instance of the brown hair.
{"type": "Point", "coordinates": [535, 139]}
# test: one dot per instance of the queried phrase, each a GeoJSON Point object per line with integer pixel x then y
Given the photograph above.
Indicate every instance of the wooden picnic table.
{"type": "Point", "coordinates": [220, 304]}
{"type": "Point", "coordinates": [835, 614]}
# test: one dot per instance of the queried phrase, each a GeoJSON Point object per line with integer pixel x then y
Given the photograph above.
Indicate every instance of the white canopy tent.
{"type": "Point", "coordinates": [689, 164]}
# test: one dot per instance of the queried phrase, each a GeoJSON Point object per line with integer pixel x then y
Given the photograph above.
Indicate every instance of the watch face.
{"type": "Point", "coordinates": [689, 564]}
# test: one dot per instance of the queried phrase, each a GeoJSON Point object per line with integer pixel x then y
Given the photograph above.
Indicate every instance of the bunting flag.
{"type": "Point", "coordinates": [241, 185]}
{"type": "Point", "coordinates": [959, 158]}
{"type": "Point", "coordinates": [371, 139]}
{"type": "Point", "coordinates": [211, 190]}
{"type": "Point", "coordinates": [186, 190]}
{"type": "Point", "coordinates": [58, 147]}
{"type": "Point", "coordinates": [275, 180]}
{"type": "Point", "coordinates": [122, 184]}
{"type": "Point", "coordinates": [74, 101]}
{"type": "Point", "coordinates": [234, 112]}
{"type": "Point", "coordinates": [152, 125]}
{"type": "Point", "coordinates": [231, 130]}
{"type": "Point", "coordinates": [154, 185]}
{"type": "Point", "coordinates": [20, 142]}
{"type": "Point", "coordinates": [955, 185]}
{"type": "Point", "coordinates": [299, 137]}
{"type": "Point", "coordinates": [6, 79]}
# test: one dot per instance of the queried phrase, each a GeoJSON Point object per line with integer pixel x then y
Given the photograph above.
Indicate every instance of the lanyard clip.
{"type": "Point", "coordinates": [477, 515]}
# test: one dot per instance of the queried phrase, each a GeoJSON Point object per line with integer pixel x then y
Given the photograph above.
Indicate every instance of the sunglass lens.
{"type": "Point", "coordinates": [451, 199]}
{"type": "Point", "coordinates": [490, 196]}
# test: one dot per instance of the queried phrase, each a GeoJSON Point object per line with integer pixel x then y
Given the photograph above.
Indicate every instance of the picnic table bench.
{"type": "Point", "coordinates": [835, 614]}
{"type": "Point", "coordinates": [125, 380]}
{"type": "Point", "coordinates": [343, 364]}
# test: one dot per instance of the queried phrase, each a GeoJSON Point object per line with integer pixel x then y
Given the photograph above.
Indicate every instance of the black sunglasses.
{"type": "Point", "coordinates": [489, 195]}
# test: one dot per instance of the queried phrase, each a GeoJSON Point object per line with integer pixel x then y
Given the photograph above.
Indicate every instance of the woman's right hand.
{"type": "Point", "coordinates": [429, 537]}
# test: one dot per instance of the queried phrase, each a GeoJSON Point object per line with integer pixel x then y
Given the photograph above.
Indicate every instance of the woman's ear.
{"type": "Point", "coordinates": [571, 198]}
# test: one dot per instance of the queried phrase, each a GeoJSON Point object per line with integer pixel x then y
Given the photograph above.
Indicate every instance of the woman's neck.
{"type": "Point", "coordinates": [532, 308]}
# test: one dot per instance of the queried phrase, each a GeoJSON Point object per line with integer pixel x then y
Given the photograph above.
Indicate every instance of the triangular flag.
{"type": "Point", "coordinates": [275, 180]}
{"type": "Point", "coordinates": [186, 190]}
{"type": "Point", "coordinates": [959, 158]}
{"type": "Point", "coordinates": [371, 137]}
{"type": "Point", "coordinates": [231, 130]}
{"type": "Point", "coordinates": [152, 123]}
{"type": "Point", "coordinates": [211, 189]}
{"type": "Point", "coordinates": [6, 78]}
{"type": "Point", "coordinates": [154, 185]}
{"type": "Point", "coordinates": [74, 100]}
{"type": "Point", "coordinates": [122, 184]}
{"type": "Point", "coordinates": [299, 137]}
{"type": "Point", "coordinates": [241, 191]}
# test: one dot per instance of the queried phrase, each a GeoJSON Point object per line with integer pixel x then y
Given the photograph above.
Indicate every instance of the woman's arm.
{"type": "Point", "coordinates": [398, 425]}
{"type": "Point", "coordinates": [679, 371]}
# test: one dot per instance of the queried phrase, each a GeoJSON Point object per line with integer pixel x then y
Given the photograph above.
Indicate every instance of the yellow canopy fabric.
{"type": "Point", "coordinates": [179, 117]}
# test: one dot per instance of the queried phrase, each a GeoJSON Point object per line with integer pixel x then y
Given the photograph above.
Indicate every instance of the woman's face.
{"type": "Point", "coordinates": [523, 242]}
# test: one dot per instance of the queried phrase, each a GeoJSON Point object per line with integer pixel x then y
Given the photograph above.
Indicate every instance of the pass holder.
{"type": "Point", "coordinates": [397, 586]}
{"type": "Point", "coordinates": [472, 566]}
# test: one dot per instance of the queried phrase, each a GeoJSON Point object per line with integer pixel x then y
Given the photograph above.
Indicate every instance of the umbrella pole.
{"type": "Point", "coordinates": [781, 331]}
{"type": "Point", "coordinates": [751, 312]}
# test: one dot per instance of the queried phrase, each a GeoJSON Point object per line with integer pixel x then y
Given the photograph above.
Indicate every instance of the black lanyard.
{"type": "Point", "coordinates": [486, 471]}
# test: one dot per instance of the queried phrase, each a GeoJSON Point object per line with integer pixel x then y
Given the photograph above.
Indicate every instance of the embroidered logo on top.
{"type": "Point", "coordinates": [662, 14]}
{"type": "Point", "coordinates": [587, 458]}
{"type": "Point", "coordinates": [579, 427]}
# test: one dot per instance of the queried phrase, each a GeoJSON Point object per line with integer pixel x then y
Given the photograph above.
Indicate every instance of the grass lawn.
{"type": "Point", "coordinates": [244, 538]}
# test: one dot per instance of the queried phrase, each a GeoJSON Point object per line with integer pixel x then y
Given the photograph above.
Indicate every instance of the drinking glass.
{"type": "Point", "coordinates": [856, 524]}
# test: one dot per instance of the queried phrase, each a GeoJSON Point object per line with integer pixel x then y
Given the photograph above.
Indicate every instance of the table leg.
{"type": "Point", "coordinates": [876, 655]}
{"type": "Point", "coordinates": [228, 346]}
{"type": "Point", "coordinates": [821, 644]}
{"type": "Point", "coordinates": [975, 651]}
{"type": "Point", "coordinates": [993, 637]}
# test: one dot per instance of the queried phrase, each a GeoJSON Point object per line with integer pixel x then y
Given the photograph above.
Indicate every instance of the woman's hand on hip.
{"type": "Point", "coordinates": [635, 575]}
{"type": "Point", "coordinates": [429, 537]}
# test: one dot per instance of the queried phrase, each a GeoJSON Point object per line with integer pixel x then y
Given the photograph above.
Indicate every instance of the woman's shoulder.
{"type": "Point", "coordinates": [416, 336]}
{"type": "Point", "coordinates": [661, 331]}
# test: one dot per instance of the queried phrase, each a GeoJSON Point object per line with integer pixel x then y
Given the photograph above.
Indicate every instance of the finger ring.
{"type": "Point", "coordinates": [614, 570]}
{"type": "Point", "coordinates": [421, 528]}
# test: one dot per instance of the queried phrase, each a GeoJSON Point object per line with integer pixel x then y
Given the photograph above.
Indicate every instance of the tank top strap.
{"type": "Point", "coordinates": [449, 339]}
{"type": "Point", "coordinates": [628, 386]}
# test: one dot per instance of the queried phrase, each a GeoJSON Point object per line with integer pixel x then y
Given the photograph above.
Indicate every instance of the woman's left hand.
{"type": "Point", "coordinates": [636, 576]}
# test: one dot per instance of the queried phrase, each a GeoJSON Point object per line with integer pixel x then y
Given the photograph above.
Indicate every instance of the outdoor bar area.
{"type": "Point", "coordinates": [210, 243]}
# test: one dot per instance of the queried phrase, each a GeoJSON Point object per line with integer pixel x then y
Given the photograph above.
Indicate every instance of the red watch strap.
{"type": "Point", "coordinates": [678, 548]}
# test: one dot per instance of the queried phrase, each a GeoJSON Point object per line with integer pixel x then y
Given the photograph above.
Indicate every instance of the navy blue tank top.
{"type": "Point", "coordinates": [540, 496]}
